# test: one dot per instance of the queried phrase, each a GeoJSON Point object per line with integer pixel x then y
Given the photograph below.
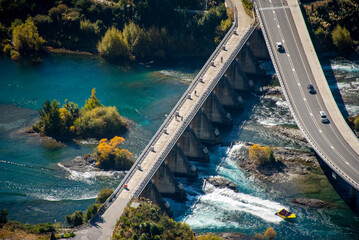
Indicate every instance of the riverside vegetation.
{"type": "Point", "coordinates": [93, 120]}
{"type": "Point", "coordinates": [117, 29]}
{"type": "Point", "coordinates": [334, 23]}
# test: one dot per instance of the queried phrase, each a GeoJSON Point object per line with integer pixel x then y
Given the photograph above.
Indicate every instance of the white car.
{"type": "Point", "coordinates": [279, 46]}
{"type": "Point", "coordinates": [323, 117]}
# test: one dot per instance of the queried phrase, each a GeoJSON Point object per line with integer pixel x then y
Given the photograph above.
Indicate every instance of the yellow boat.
{"type": "Point", "coordinates": [285, 214]}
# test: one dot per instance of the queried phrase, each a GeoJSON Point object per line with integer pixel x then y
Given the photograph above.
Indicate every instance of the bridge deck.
{"type": "Point", "coordinates": [103, 226]}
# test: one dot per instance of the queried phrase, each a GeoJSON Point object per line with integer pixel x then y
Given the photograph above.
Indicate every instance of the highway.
{"type": "Point", "coordinates": [298, 66]}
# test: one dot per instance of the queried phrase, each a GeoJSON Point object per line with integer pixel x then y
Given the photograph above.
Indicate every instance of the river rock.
{"type": "Point", "coordinates": [311, 202]}
{"type": "Point", "coordinates": [235, 236]}
{"type": "Point", "coordinates": [221, 182]}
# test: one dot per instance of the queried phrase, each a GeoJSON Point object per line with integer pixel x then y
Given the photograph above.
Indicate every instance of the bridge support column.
{"type": "Point", "coordinates": [215, 111]}
{"type": "Point", "coordinates": [238, 78]}
{"type": "Point", "coordinates": [249, 62]}
{"type": "Point", "coordinates": [258, 46]}
{"type": "Point", "coordinates": [192, 147]}
{"type": "Point", "coordinates": [204, 129]}
{"type": "Point", "coordinates": [226, 95]}
{"type": "Point", "coordinates": [167, 184]}
{"type": "Point", "coordinates": [151, 192]}
{"type": "Point", "coordinates": [179, 164]}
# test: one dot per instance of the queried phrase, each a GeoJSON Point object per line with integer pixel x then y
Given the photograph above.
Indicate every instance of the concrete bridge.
{"type": "Point", "coordinates": [204, 106]}
{"type": "Point", "coordinates": [296, 67]}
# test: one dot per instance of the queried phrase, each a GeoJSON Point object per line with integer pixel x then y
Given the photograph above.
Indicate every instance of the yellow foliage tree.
{"type": "Point", "coordinates": [260, 154]}
{"type": "Point", "coordinates": [270, 234]}
{"type": "Point", "coordinates": [110, 156]}
{"type": "Point", "coordinates": [26, 38]}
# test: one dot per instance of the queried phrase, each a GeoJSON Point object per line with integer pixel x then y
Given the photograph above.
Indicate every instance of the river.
{"type": "Point", "coordinates": [36, 187]}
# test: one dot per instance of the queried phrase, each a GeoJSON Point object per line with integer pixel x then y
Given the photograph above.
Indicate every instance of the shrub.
{"type": "Point", "coordinates": [15, 55]}
{"type": "Point", "coordinates": [7, 49]}
{"type": "Point", "coordinates": [209, 236]}
{"type": "Point", "coordinates": [93, 101]}
{"type": "Point", "coordinates": [110, 156]}
{"type": "Point", "coordinates": [90, 212]}
{"type": "Point", "coordinates": [103, 195]}
{"type": "Point", "coordinates": [259, 236]}
{"type": "Point", "coordinates": [100, 122]}
{"type": "Point", "coordinates": [42, 228]}
{"type": "Point", "coordinates": [270, 234]}
{"type": "Point", "coordinates": [75, 219]}
{"type": "Point", "coordinates": [341, 38]}
{"type": "Point", "coordinates": [112, 45]}
{"type": "Point", "coordinates": [26, 37]}
{"type": "Point", "coordinates": [261, 155]}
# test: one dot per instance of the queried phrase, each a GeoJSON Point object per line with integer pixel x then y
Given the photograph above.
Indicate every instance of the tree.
{"type": "Point", "coordinates": [270, 234]}
{"type": "Point", "coordinates": [75, 219]}
{"type": "Point", "coordinates": [3, 216]}
{"type": "Point", "coordinates": [50, 119]}
{"type": "Point", "coordinates": [90, 212]}
{"type": "Point", "coordinates": [92, 102]}
{"type": "Point", "coordinates": [259, 236]}
{"type": "Point", "coordinates": [103, 195]}
{"type": "Point", "coordinates": [112, 45]}
{"type": "Point", "coordinates": [26, 37]}
{"type": "Point", "coordinates": [110, 156]}
{"type": "Point", "coordinates": [260, 154]}
{"type": "Point", "coordinates": [341, 38]}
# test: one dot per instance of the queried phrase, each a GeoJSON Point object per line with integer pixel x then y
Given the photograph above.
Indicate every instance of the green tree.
{"type": "Point", "coordinates": [103, 195]}
{"type": "Point", "coordinates": [112, 45]}
{"type": "Point", "coordinates": [26, 37]}
{"type": "Point", "coordinates": [3, 216]}
{"type": "Point", "coordinates": [75, 219]}
{"type": "Point", "coordinates": [50, 120]}
{"type": "Point", "coordinates": [90, 212]}
{"type": "Point", "coordinates": [341, 38]}
{"type": "Point", "coordinates": [93, 101]}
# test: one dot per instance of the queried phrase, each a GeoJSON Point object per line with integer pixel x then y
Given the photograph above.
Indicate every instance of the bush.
{"type": "Point", "coordinates": [100, 122]}
{"type": "Point", "coordinates": [93, 101]}
{"type": "Point", "coordinates": [110, 156]}
{"type": "Point", "coordinates": [209, 236]}
{"type": "Point", "coordinates": [261, 155]}
{"type": "Point", "coordinates": [103, 195]}
{"type": "Point", "coordinates": [75, 219]}
{"type": "Point", "coordinates": [112, 45]}
{"type": "Point", "coordinates": [42, 228]}
{"type": "Point", "coordinates": [270, 234]}
{"type": "Point", "coordinates": [7, 49]}
{"type": "Point", "coordinates": [90, 212]}
{"type": "Point", "coordinates": [259, 236]}
{"type": "Point", "coordinates": [26, 37]}
{"type": "Point", "coordinates": [341, 38]}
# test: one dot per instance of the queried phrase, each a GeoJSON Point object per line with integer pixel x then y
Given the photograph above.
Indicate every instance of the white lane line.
{"type": "Point", "coordinates": [320, 131]}
{"type": "Point", "coordinates": [293, 69]}
{"type": "Point", "coordinates": [332, 147]}
{"type": "Point", "coordinates": [298, 84]}
{"type": "Point", "coordinates": [311, 114]}
{"type": "Point", "coordinates": [304, 99]}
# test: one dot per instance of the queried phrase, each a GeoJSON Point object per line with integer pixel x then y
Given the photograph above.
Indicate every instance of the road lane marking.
{"type": "Point", "coordinates": [304, 99]}
{"type": "Point", "coordinates": [298, 84]}
{"type": "Point", "coordinates": [293, 69]}
{"type": "Point", "coordinates": [311, 114]}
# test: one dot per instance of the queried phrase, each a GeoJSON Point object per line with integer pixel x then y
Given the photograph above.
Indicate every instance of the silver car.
{"type": "Point", "coordinates": [323, 117]}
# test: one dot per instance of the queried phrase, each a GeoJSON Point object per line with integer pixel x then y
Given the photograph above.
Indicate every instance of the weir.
{"type": "Point", "coordinates": [190, 126]}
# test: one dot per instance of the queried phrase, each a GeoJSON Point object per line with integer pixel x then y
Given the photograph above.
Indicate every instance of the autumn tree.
{"type": "Point", "coordinates": [111, 156]}
{"type": "Point", "coordinates": [270, 234]}
{"type": "Point", "coordinates": [261, 155]}
{"type": "Point", "coordinates": [93, 101]}
{"type": "Point", "coordinates": [112, 45]}
{"type": "Point", "coordinates": [26, 37]}
{"type": "Point", "coordinates": [259, 236]}
{"type": "Point", "coordinates": [341, 38]}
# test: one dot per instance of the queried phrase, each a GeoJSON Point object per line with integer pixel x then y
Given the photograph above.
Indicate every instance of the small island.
{"type": "Point", "coordinates": [69, 122]}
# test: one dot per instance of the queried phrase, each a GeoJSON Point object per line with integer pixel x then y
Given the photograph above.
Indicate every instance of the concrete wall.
{"type": "Point", "coordinates": [167, 184]}
{"type": "Point", "coordinates": [227, 96]}
{"type": "Point", "coordinates": [249, 62]}
{"type": "Point", "coordinates": [258, 46]}
{"type": "Point", "coordinates": [192, 147]}
{"type": "Point", "coordinates": [151, 192]}
{"type": "Point", "coordinates": [179, 164]}
{"type": "Point", "coordinates": [215, 111]}
{"type": "Point", "coordinates": [204, 129]}
{"type": "Point", "coordinates": [237, 77]}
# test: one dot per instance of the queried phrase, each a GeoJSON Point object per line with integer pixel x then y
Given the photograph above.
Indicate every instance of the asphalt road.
{"type": "Point", "coordinates": [297, 74]}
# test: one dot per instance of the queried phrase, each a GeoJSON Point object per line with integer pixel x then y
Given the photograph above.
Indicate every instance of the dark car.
{"type": "Point", "coordinates": [311, 89]}
{"type": "Point", "coordinates": [279, 47]}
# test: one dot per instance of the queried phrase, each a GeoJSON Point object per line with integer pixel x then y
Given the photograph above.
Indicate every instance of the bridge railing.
{"type": "Point", "coordinates": [309, 139]}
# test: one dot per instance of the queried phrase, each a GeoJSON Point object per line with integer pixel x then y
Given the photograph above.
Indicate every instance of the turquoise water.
{"type": "Point", "coordinates": [34, 187]}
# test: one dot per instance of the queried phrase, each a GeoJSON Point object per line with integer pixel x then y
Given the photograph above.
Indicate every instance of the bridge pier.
{"type": "Point", "coordinates": [215, 111]}
{"type": "Point", "coordinates": [238, 78]}
{"type": "Point", "coordinates": [204, 129]}
{"type": "Point", "coordinates": [192, 147]}
{"type": "Point", "coordinates": [248, 61]}
{"type": "Point", "coordinates": [226, 95]}
{"type": "Point", "coordinates": [167, 184]}
{"type": "Point", "coordinates": [179, 164]}
{"type": "Point", "coordinates": [151, 192]}
{"type": "Point", "coordinates": [258, 46]}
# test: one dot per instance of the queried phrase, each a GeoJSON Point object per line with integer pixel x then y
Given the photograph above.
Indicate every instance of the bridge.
{"type": "Point", "coordinates": [296, 67]}
{"type": "Point", "coordinates": [204, 105]}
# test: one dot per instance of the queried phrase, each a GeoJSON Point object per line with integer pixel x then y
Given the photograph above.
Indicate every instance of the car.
{"type": "Point", "coordinates": [311, 89]}
{"type": "Point", "coordinates": [279, 46]}
{"type": "Point", "coordinates": [323, 117]}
